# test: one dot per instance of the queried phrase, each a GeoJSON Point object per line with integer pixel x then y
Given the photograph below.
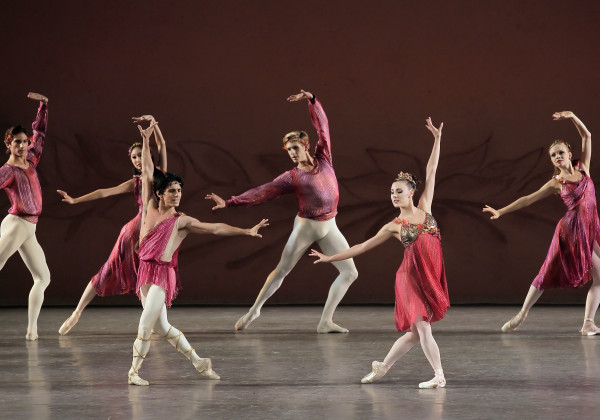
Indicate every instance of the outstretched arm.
{"type": "Point", "coordinates": [549, 188]}
{"type": "Point", "coordinates": [195, 226]}
{"type": "Point", "coordinates": [125, 187]}
{"type": "Point", "coordinates": [427, 196]}
{"type": "Point", "coordinates": [383, 235]}
{"type": "Point", "coordinates": [158, 138]}
{"type": "Point", "coordinates": [319, 121]}
{"type": "Point", "coordinates": [147, 167]}
{"type": "Point", "coordinates": [586, 137]}
{"type": "Point", "coordinates": [39, 128]}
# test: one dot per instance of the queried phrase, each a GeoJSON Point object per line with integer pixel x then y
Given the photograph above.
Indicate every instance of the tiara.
{"type": "Point", "coordinates": [555, 142]}
{"type": "Point", "coordinates": [133, 146]}
{"type": "Point", "coordinates": [405, 176]}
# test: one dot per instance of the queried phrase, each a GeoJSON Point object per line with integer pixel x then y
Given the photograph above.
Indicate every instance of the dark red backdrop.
{"type": "Point", "coordinates": [216, 75]}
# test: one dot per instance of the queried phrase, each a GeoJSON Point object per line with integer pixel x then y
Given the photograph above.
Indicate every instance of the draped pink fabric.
{"type": "Point", "coordinates": [151, 269]}
{"type": "Point", "coordinates": [118, 275]}
{"type": "Point", "coordinates": [23, 185]}
{"type": "Point", "coordinates": [421, 289]}
{"type": "Point", "coordinates": [316, 190]}
{"type": "Point", "coordinates": [568, 263]}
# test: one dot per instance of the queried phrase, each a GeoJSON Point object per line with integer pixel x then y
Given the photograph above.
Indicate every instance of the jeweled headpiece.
{"type": "Point", "coordinates": [133, 146]}
{"type": "Point", "coordinates": [405, 176]}
{"type": "Point", "coordinates": [8, 139]}
{"type": "Point", "coordinates": [555, 142]}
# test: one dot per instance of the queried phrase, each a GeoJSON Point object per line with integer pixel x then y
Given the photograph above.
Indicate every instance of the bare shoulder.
{"type": "Point", "coordinates": [553, 185]}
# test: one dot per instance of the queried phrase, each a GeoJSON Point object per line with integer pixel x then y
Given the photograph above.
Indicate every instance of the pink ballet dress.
{"type": "Point", "coordinates": [421, 289]}
{"type": "Point", "coordinates": [569, 260]}
{"type": "Point", "coordinates": [118, 275]}
{"type": "Point", "coordinates": [154, 271]}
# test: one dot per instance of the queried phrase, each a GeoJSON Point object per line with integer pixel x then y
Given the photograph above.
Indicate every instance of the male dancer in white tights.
{"type": "Point", "coordinates": [315, 185]}
{"type": "Point", "coordinates": [19, 179]}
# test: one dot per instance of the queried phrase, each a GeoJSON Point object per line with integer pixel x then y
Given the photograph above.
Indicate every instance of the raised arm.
{"type": "Point", "coordinates": [147, 167]}
{"type": "Point", "coordinates": [549, 188]}
{"type": "Point", "coordinates": [125, 187]}
{"type": "Point", "coordinates": [39, 128]}
{"type": "Point", "coordinates": [319, 121]}
{"type": "Point", "coordinates": [427, 196]}
{"type": "Point", "coordinates": [383, 235]}
{"type": "Point", "coordinates": [192, 225]}
{"type": "Point", "coordinates": [158, 138]}
{"type": "Point", "coordinates": [586, 137]}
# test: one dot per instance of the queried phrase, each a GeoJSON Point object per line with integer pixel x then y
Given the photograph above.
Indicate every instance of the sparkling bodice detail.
{"type": "Point", "coordinates": [410, 231]}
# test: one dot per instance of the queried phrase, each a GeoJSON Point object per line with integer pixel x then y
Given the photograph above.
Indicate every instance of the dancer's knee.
{"type": "Point", "coordinates": [42, 281]}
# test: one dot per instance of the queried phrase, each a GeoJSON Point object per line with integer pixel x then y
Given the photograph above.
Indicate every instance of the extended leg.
{"type": "Point", "coordinates": [515, 322]}
{"type": "Point", "coordinates": [299, 241]}
{"type": "Point", "coordinates": [432, 352]}
{"type": "Point", "coordinates": [88, 294]}
{"type": "Point", "coordinates": [333, 243]}
{"type": "Point", "coordinates": [593, 297]}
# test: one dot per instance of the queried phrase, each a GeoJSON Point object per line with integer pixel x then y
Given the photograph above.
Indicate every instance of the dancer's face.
{"type": "Point", "coordinates": [136, 158]}
{"type": "Point", "coordinates": [18, 145]}
{"type": "Point", "coordinates": [297, 151]}
{"type": "Point", "coordinates": [401, 194]}
{"type": "Point", "coordinates": [172, 195]}
{"type": "Point", "coordinates": [560, 155]}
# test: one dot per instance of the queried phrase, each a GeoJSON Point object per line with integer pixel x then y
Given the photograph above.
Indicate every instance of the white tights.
{"type": "Point", "coordinates": [331, 241]}
{"type": "Point", "coordinates": [420, 331]}
{"type": "Point", "coordinates": [17, 234]}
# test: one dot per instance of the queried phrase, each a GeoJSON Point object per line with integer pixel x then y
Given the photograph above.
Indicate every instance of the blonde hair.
{"type": "Point", "coordinates": [556, 143]}
{"type": "Point", "coordinates": [300, 136]}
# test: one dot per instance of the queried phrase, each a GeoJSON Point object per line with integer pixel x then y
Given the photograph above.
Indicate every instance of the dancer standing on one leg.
{"type": "Point", "coordinates": [118, 275]}
{"type": "Point", "coordinates": [421, 290]}
{"type": "Point", "coordinates": [162, 231]}
{"type": "Point", "coordinates": [20, 180]}
{"type": "Point", "coordinates": [315, 185]}
{"type": "Point", "coordinates": [574, 255]}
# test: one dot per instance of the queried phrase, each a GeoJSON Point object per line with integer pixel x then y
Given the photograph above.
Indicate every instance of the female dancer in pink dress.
{"type": "Point", "coordinates": [19, 178]}
{"type": "Point", "coordinates": [162, 231]}
{"type": "Point", "coordinates": [574, 255]}
{"type": "Point", "coordinates": [118, 275]}
{"type": "Point", "coordinates": [421, 290]}
{"type": "Point", "coordinates": [315, 185]}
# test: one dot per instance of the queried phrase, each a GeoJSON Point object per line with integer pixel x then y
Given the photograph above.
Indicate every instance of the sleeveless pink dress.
{"type": "Point", "coordinates": [569, 260]}
{"type": "Point", "coordinates": [154, 271]}
{"type": "Point", "coordinates": [118, 275]}
{"type": "Point", "coordinates": [421, 288]}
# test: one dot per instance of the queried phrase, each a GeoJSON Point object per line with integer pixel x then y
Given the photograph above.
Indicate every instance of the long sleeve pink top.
{"type": "Point", "coordinates": [23, 185]}
{"type": "Point", "coordinates": [316, 190]}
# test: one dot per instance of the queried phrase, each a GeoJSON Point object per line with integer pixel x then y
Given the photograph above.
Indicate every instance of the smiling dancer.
{"type": "Point", "coordinates": [574, 255]}
{"type": "Point", "coordinates": [118, 275]}
{"type": "Point", "coordinates": [162, 231]}
{"type": "Point", "coordinates": [421, 290]}
{"type": "Point", "coordinates": [19, 178]}
{"type": "Point", "coordinates": [315, 185]}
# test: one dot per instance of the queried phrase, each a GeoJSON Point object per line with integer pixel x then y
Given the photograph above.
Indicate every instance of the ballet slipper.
{"type": "Point", "coordinates": [245, 321]}
{"type": "Point", "coordinates": [326, 327]}
{"type": "Point", "coordinates": [69, 323]}
{"type": "Point", "coordinates": [31, 336]}
{"type": "Point", "coordinates": [514, 323]}
{"type": "Point", "coordinates": [594, 330]}
{"type": "Point", "coordinates": [438, 381]}
{"type": "Point", "coordinates": [204, 366]}
{"type": "Point", "coordinates": [378, 372]}
{"type": "Point", "coordinates": [134, 379]}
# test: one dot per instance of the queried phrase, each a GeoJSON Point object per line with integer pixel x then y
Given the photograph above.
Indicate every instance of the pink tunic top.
{"type": "Point", "coordinates": [316, 190]}
{"type": "Point", "coordinates": [23, 185]}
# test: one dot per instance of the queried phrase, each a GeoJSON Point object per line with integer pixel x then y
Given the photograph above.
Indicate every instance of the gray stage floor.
{"type": "Point", "coordinates": [280, 368]}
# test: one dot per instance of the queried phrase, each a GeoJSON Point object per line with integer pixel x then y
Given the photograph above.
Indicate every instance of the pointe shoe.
{"type": "Point", "coordinates": [589, 331]}
{"type": "Point", "coordinates": [204, 366]}
{"type": "Point", "coordinates": [68, 324]}
{"type": "Point", "coordinates": [244, 322]}
{"type": "Point", "coordinates": [378, 372]}
{"type": "Point", "coordinates": [134, 379]}
{"type": "Point", "coordinates": [31, 337]}
{"type": "Point", "coordinates": [436, 382]}
{"type": "Point", "coordinates": [514, 323]}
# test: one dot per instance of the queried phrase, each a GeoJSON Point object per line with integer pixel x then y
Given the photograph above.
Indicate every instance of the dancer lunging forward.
{"type": "Point", "coordinates": [421, 290]}
{"type": "Point", "coordinates": [574, 255]}
{"type": "Point", "coordinates": [315, 185]}
{"type": "Point", "coordinates": [162, 231]}
{"type": "Point", "coordinates": [118, 275]}
{"type": "Point", "coordinates": [19, 179]}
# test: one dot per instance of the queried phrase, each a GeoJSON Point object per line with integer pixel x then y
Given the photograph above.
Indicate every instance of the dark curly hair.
{"type": "Point", "coordinates": [163, 180]}
{"type": "Point", "coordinates": [13, 131]}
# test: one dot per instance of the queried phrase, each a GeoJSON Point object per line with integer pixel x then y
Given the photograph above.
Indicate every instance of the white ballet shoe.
{"type": "Point", "coordinates": [204, 366]}
{"type": "Point", "coordinates": [436, 382]}
{"type": "Point", "coordinates": [330, 327]}
{"type": "Point", "coordinates": [589, 331]}
{"type": "Point", "coordinates": [134, 379]}
{"type": "Point", "coordinates": [68, 324]}
{"type": "Point", "coordinates": [514, 323]}
{"type": "Point", "coordinates": [378, 372]}
{"type": "Point", "coordinates": [245, 321]}
{"type": "Point", "coordinates": [31, 337]}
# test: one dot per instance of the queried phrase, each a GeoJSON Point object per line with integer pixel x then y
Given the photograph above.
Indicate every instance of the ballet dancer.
{"type": "Point", "coordinates": [19, 178]}
{"type": "Point", "coordinates": [118, 275]}
{"type": "Point", "coordinates": [574, 255]}
{"type": "Point", "coordinates": [162, 231]}
{"type": "Point", "coordinates": [421, 290]}
{"type": "Point", "coordinates": [315, 185]}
